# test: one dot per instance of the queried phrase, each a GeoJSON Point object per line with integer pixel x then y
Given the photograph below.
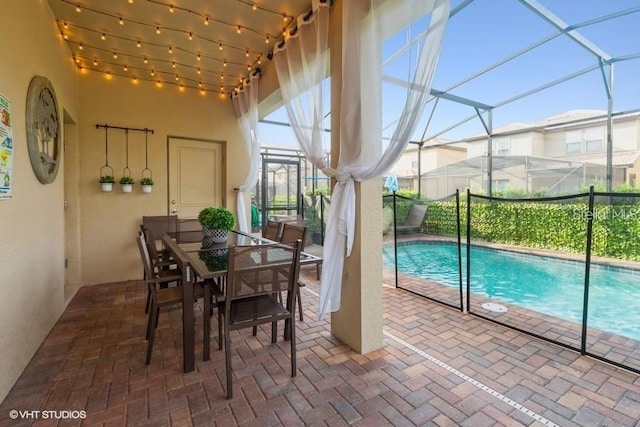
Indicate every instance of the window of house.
{"type": "Point", "coordinates": [573, 142]}
{"type": "Point", "coordinates": [594, 140]}
{"type": "Point", "coordinates": [502, 146]}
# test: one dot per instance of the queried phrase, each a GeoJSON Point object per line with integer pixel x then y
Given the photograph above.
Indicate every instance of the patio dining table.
{"type": "Point", "coordinates": [199, 258]}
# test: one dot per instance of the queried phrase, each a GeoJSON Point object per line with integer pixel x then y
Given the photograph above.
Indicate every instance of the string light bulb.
{"type": "Point", "coordinates": [190, 36]}
{"type": "Point", "coordinates": [80, 46]}
{"type": "Point", "coordinates": [153, 73]}
{"type": "Point", "coordinates": [78, 8]}
{"type": "Point", "coordinates": [121, 21]}
{"type": "Point", "coordinates": [206, 20]}
{"type": "Point", "coordinates": [224, 63]}
{"type": "Point", "coordinates": [115, 55]}
{"type": "Point", "coordinates": [65, 36]}
{"type": "Point", "coordinates": [220, 46]}
{"type": "Point", "coordinates": [170, 49]}
{"type": "Point", "coordinates": [65, 25]}
{"type": "Point", "coordinates": [171, 8]}
{"type": "Point", "coordinates": [125, 68]}
{"type": "Point", "coordinates": [254, 7]}
{"type": "Point", "coordinates": [138, 44]}
{"type": "Point", "coordinates": [173, 64]}
{"type": "Point", "coordinates": [239, 29]}
{"type": "Point", "coordinates": [267, 40]}
{"type": "Point", "coordinates": [146, 61]}
{"type": "Point", "coordinates": [158, 30]}
{"type": "Point", "coordinates": [198, 70]}
{"type": "Point", "coordinates": [247, 54]}
{"type": "Point", "coordinates": [199, 57]}
{"type": "Point", "coordinates": [95, 62]}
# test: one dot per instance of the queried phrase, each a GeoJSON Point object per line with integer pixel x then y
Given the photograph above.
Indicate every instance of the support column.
{"type": "Point", "coordinates": [359, 321]}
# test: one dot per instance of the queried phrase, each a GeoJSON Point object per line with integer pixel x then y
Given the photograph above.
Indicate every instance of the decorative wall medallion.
{"type": "Point", "coordinates": [43, 129]}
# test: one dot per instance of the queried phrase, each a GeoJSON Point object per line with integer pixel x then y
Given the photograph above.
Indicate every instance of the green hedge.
{"type": "Point", "coordinates": [554, 226]}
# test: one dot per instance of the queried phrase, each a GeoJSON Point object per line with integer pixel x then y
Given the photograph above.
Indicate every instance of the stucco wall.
{"type": "Point", "coordinates": [32, 237]}
{"type": "Point", "coordinates": [110, 220]}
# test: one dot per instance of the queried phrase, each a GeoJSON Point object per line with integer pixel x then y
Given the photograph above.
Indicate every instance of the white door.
{"type": "Point", "coordinates": [196, 175]}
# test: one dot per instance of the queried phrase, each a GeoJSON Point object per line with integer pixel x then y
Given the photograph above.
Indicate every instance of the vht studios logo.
{"type": "Point", "coordinates": [47, 415]}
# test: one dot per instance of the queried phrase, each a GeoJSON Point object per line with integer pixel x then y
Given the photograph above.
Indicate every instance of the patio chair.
{"type": "Point", "coordinates": [255, 276]}
{"type": "Point", "coordinates": [158, 296]}
{"type": "Point", "coordinates": [272, 230]}
{"type": "Point", "coordinates": [414, 220]}
{"type": "Point", "coordinates": [291, 234]}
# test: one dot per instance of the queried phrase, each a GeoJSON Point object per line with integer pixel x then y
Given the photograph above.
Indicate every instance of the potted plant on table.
{"type": "Point", "coordinates": [147, 184]}
{"type": "Point", "coordinates": [106, 183]}
{"type": "Point", "coordinates": [127, 184]}
{"type": "Point", "coordinates": [216, 223]}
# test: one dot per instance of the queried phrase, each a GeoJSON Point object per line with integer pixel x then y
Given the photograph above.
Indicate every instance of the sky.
{"type": "Point", "coordinates": [486, 31]}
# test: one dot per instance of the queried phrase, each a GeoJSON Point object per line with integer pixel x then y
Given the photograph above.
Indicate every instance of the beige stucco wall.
{"type": "Point", "coordinates": [110, 221]}
{"type": "Point", "coordinates": [32, 237]}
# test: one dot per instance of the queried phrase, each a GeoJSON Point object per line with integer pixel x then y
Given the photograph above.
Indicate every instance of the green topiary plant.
{"type": "Point", "coordinates": [217, 218]}
{"type": "Point", "coordinates": [126, 180]}
{"type": "Point", "coordinates": [107, 179]}
{"type": "Point", "coordinates": [146, 181]}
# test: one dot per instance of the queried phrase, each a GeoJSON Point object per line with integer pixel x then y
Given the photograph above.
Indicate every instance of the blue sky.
{"type": "Point", "coordinates": [487, 31]}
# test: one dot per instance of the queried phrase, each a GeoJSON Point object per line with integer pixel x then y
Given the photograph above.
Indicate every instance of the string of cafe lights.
{"type": "Point", "coordinates": [239, 28]}
{"type": "Point", "coordinates": [122, 19]}
{"type": "Point", "coordinates": [139, 42]}
{"type": "Point", "coordinates": [78, 58]}
{"type": "Point", "coordinates": [197, 55]}
{"type": "Point", "coordinates": [182, 82]}
{"type": "Point", "coordinates": [206, 19]}
{"type": "Point", "coordinates": [151, 71]}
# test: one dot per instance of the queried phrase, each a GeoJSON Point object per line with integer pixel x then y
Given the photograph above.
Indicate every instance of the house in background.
{"type": "Point", "coordinates": [560, 154]}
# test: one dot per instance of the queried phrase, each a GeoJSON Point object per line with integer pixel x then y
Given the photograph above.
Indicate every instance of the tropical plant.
{"type": "Point", "coordinates": [107, 179]}
{"type": "Point", "coordinates": [217, 218]}
{"type": "Point", "coordinates": [126, 180]}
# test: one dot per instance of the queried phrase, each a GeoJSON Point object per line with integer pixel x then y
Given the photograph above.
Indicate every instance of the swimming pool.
{"type": "Point", "coordinates": [544, 284]}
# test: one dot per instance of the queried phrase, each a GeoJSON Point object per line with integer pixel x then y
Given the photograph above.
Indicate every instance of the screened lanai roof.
{"type": "Point", "coordinates": [523, 60]}
{"type": "Point", "coordinates": [476, 166]}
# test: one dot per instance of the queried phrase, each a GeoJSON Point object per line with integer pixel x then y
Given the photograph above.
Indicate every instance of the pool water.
{"type": "Point", "coordinates": [544, 284]}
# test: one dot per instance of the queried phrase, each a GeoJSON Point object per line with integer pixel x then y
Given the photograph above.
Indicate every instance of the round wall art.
{"type": "Point", "coordinates": [43, 129]}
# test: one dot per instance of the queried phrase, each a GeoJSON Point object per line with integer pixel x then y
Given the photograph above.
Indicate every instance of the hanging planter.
{"type": "Point", "coordinates": [106, 172]}
{"type": "Point", "coordinates": [106, 179]}
{"type": "Point", "coordinates": [126, 181]}
{"type": "Point", "coordinates": [147, 185]}
{"type": "Point", "coordinates": [147, 181]}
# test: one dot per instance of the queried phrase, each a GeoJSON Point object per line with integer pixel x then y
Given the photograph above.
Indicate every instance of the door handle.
{"type": "Point", "coordinates": [174, 210]}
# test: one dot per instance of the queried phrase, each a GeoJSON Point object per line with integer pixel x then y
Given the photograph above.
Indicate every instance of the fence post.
{"type": "Point", "coordinates": [459, 249]}
{"type": "Point", "coordinates": [395, 240]}
{"type": "Point", "coordinates": [587, 266]}
{"type": "Point", "coordinates": [468, 250]}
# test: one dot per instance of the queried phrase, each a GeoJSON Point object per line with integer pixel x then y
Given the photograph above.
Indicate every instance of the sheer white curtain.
{"type": "Point", "coordinates": [301, 67]}
{"type": "Point", "coordinates": [245, 104]}
{"type": "Point", "coordinates": [366, 26]}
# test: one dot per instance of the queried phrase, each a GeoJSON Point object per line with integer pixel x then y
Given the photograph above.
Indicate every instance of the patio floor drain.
{"type": "Point", "coordinates": [496, 308]}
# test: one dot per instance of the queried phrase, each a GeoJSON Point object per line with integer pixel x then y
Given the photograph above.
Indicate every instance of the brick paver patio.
{"type": "Point", "coordinates": [437, 367]}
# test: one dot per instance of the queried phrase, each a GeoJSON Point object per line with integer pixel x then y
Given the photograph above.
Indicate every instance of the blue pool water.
{"type": "Point", "coordinates": [547, 285]}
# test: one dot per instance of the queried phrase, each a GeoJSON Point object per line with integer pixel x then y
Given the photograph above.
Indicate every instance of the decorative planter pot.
{"type": "Point", "coordinates": [106, 186]}
{"type": "Point", "coordinates": [216, 236]}
{"type": "Point", "coordinates": [147, 188]}
{"type": "Point", "coordinates": [127, 188]}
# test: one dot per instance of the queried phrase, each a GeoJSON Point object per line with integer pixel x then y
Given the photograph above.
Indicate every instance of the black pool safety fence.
{"type": "Point", "coordinates": [563, 269]}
